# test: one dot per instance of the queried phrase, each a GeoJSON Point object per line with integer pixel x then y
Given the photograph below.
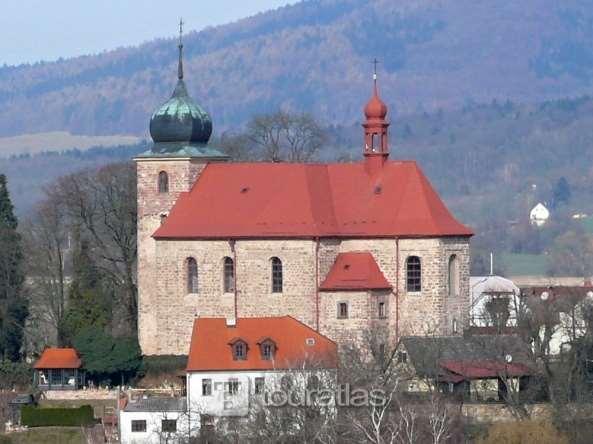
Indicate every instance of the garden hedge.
{"type": "Point", "coordinates": [41, 417]}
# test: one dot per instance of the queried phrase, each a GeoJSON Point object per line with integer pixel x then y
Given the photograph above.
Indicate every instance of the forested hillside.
{"type": "Point", "coordinates": [315, 56]}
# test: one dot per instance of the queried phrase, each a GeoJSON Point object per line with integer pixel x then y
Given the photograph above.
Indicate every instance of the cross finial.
{"type": "Point", "coordinates": [180, 66]}
{"type": "Point", "coordinates": [181, 30]}
{"type": "Point", "coordinates": [375, 63]}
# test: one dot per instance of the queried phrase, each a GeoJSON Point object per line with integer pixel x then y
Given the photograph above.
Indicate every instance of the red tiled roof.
{"type": "Point", "coordinates": [557, 293]}
{"type": "Point", "coordinates": [355, 271]}
{"type": "Point", "coordinates": [484, 369]}
{"type": "Point", "coordinates": [58, 358]}
{"type": "Point", "coordinates": [210, 349]}
{"type": "Point", "coordinates": [246, 200]}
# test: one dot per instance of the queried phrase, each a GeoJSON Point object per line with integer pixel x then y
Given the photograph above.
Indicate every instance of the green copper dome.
{"type": "Point", "coordinates": [180, 119]}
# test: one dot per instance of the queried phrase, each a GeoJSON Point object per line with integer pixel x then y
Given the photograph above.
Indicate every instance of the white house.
{"type": "Point", "coordinates": [233, 368]}
{"type": "Point", "coordinates": [539, 215]}
{"type": "Point", "coordinates": [154, 420]}
{"type": "Point", "coordinates": [483, 289]}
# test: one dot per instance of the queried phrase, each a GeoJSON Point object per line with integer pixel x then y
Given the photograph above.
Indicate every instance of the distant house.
{"type": "Point", "coordinates": [478, 368]}
{"type": "Point", "coordinates": [59, 369]}
{"type": "Point", "coordinates": [539, 215]}
{"type": "Point", "coordinates": [490, 296]}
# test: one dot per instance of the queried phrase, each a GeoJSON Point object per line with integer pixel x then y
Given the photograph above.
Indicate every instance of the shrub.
{"type": "Point", "coordinates": [161, 371]}
{"type": "Point", "coordinates": [106, 357]}
{"type": "Point", "coordinates": [165, 364]}
{"type": "Point", "coordinates": [524, 432]}
{"type": "Point", "coordinates": [65, 417]}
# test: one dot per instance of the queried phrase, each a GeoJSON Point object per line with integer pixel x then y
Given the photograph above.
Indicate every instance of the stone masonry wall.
{"type": "Point", "coordinates": [151, 205]}
{"type": "Point", "coordinates": [176, 309]}
{"type": "Point", "coordinates": [430, 311]}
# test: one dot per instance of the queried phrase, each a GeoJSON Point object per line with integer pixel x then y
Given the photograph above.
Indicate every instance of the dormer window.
{"type": "Point", "coordinates": [268, 349]}
{"type": "Point", "coordinates": [239, 349]}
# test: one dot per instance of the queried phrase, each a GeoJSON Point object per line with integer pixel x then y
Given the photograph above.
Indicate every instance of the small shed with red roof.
{"type": "Point", "coordinates": [59, 369]}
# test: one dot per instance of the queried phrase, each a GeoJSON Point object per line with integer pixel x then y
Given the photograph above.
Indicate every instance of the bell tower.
{"type": "Point", "coordinates": [180, 130]}
{"type": "Point", "coordinates": [376, 142]}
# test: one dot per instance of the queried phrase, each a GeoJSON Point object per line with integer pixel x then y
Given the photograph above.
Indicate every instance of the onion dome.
{"type": "Point", "coordinates": [180, 119]}
{"type": "Point", "coordinates": [375, 108]}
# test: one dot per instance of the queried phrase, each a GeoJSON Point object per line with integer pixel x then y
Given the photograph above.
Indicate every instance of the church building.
{"type": "Point", "coordinates": [341, 247]}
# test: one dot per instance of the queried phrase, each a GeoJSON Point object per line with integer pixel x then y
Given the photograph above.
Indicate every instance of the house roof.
{"type": "Point", "coordinates": [491, 285]}
{"type": "Point", "coordinates": [428, 353]}
{"type": "Point", "coordinates": [355, 271]}
{"type": "Point", "coordinates": [482, 369]}
{"type": "Point", "coordinates": [156, 404]}
{"type": "Point", "coordinates": [210, 349]}
{"type": "Point", "coordinates": [58, 358]}
{"type": "Point", "coordinates": [292, 200]}
{"type": "Point", "coordinates": [557, 293]}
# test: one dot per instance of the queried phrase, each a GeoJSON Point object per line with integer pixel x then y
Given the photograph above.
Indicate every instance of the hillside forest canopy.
{"type": "Point", "coordinates": [314, 56]}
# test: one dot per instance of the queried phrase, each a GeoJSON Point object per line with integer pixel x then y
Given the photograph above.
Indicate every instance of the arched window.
{"type": "Point", "coordinates": [163, 218]}
{"type": "Point", "coordinates": [276, 275]}
{"type": "Point", "coordinates": [163, 182]}
{"type": "Point", "coordinates": [413, 274]}
{"type": "Point", "coordinates": [228, 275]}
{"type": "Point", "coordinates": [192, 275]}
{"type": "Point", "coordinates": [453, 276]}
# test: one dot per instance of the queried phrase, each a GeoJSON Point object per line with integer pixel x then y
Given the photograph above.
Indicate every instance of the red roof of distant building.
{"type": "Point", "coordinates": [355, 271]}
{"type": "Point", "coordinates": [558, 293]}
{"type": "Point", "coordinates": [58, 358]}
{"type": "Point", "coordinates": [288, 200]}
{"type": "Point", "coordinates": [484, 369]}
{"type": "Point", "coordinates": [295, 344]}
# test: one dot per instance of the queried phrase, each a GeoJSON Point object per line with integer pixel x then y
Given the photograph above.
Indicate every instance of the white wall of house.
{"type": "Point", "coordinates": [221, 402]}
{"type": "Point", "coordinates": [153, 433]}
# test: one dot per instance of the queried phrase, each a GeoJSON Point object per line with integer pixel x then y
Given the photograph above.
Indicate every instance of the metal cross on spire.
{"type": "Point", "coordinates": [375, 62]}
{"type": "Point", "coordinates": [181, 30]}
{"type": "Point", "coordinates": [180, 66]}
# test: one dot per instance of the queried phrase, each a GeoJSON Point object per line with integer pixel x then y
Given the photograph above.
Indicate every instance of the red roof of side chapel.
{"type": "Point", "coordinates": [210, 348]}
{"type": "Point", "coordinates": [355, 271]}
{"type": "Point", "coordinates": [58, 358]}
{"type": "Point", "coordinates": [287, 200]}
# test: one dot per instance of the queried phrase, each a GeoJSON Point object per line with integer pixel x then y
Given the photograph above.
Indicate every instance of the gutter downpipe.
{"type": "Point", "coordinates": [234, 250]}
{"type": "Point", "coordinates": [396, 294]}
{"type": "Point", "coordinates": [317, 283]}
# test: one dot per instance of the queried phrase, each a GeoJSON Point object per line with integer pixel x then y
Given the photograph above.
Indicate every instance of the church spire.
{"type": "Point", "coordinates": [376, 149]}
{"type": "Point", "coordinates": [180, 67]}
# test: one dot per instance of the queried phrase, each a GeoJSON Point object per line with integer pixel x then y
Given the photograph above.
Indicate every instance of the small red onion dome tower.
{"type": "Point", "coordinates": [376, 143]}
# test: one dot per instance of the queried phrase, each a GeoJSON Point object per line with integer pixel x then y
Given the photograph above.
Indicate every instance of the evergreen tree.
{"type": "Point", "coordinates": [561, 192]}
{"type": "Point", "coordinates": [13, 305]}
{"type": "Point", "coordinates": [88, 306]}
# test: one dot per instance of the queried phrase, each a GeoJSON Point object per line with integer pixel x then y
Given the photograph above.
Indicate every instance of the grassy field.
{"type": "Point", "coordinates": [588, 224]}
{"type": "Point", "coordinates": [46, 435]}
{"type": "Point", "coordinates": [524, 264]}
{"type": "Point", "coordinates": [58, 141]}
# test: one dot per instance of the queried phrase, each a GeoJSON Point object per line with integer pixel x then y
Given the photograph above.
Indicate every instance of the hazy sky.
{"type": "Point", "coordinates": [32, 30]}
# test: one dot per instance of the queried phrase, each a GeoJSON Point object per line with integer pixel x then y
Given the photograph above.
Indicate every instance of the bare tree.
{"type": "Point", "coordinates": [282, 136]}
{"type": "Point", "coordinates": [102, 205]}
{"type": "Point", "coordinates": [46, 244]}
